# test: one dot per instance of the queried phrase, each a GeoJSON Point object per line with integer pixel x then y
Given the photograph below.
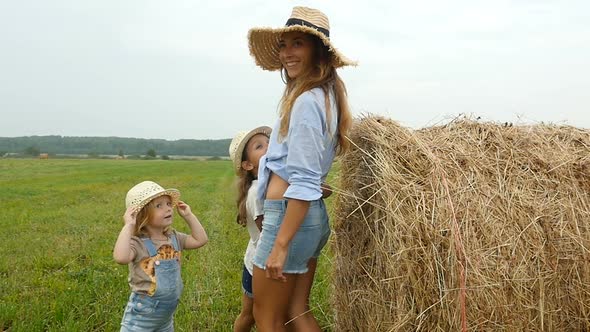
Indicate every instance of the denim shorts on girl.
{"type": "Point", "coordinates": [307, 243]}
{"type": "Point", "coordinates": [247, 282]}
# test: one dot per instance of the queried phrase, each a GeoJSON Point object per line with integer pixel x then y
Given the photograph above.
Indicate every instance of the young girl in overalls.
{"type": "Point", "coordinates": [314, 119]}
{"type": "Point", "coordinates": [152, 250]}
{"type": "Point", "coordinates": [245, 151]}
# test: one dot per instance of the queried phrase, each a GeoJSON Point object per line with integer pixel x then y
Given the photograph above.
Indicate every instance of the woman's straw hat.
{"type": "Point", "coordinates": [142, 193]}
{"type": "Point", "coordinates": [264, 42]}
{"type": "Point", "coordinates": [238, 144]}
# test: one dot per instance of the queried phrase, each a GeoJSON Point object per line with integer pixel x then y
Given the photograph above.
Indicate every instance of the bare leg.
{"type": "Point", "coordinates": [271, 302]}
{"type": "Point", "coordinates": [300, 316]}
{"type": "Point", "coordinates": [245, 320]}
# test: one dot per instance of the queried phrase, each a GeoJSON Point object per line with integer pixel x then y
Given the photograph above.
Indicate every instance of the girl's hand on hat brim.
{"type": "Point", "coordinates": [130, 216]}
{"type": "Point", "coordinates": [183, 209]}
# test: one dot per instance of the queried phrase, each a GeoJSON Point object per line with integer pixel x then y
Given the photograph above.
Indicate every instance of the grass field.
{"type": "Point", "coordinates": [60, 220]}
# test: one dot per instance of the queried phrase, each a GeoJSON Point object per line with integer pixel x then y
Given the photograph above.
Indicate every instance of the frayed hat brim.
{"type": "Point", "coordinates": [264, 46]}
{"type": "Point", "coordinates": [237, 151]}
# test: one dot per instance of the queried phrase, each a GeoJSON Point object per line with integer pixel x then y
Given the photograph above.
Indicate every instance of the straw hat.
{"type": "Point", "coordinates": [264, 42]}
{"type": "Point", "coordinates": [238, 144]}
{"type": "Point", "coordinates": [142, 193]}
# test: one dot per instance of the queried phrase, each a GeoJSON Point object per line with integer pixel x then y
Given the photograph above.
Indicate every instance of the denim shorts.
{"type": "Point", "coordinates": [247, 282]}
{"type": "Point", "coordinates": [310, 239]}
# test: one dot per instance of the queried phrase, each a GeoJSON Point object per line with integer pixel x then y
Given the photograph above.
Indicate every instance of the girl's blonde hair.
{"type": "Point", "coordinates": [322, 75]}
{"type": "Point", "coordinates": [243, 184]}
{"type": "Point", "coordinates": [245, 179]}
{"type": "Point", "coordinates": [143, 218]}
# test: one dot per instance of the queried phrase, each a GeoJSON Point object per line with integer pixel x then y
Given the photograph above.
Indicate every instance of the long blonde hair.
{"type": "Point", "coordinates": [245, 179]}
{"type": "Point", "coordinates": [323, 75]}
{"type": "Point", "coordinates": [244, 183]}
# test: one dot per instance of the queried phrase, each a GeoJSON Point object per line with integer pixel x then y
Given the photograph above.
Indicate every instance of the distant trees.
{"type": "Point", "coordinates": [32, 151]}
{"type": "Point", "coordinates": [151, 153]}
{"type": "Point", "coordinates": [112, 146]}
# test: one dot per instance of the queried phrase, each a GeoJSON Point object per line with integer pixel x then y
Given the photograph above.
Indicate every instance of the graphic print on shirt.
{"type": "Point", "coordinates": [166, 251]}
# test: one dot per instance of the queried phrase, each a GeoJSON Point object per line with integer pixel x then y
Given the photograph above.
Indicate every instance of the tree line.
{"type": "Point", "coordinates": [33, 145]}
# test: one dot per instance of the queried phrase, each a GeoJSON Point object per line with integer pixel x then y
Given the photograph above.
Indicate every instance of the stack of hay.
{"type": "Point", "coordinates": [466, 226]}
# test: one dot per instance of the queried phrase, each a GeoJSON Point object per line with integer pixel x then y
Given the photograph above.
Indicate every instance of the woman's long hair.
{"type": "Point", "coordinates": [323, 75]}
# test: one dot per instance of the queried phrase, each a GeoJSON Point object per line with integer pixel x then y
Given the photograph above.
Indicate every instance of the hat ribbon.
{"type": "Point", "coordinates": [298, 21]}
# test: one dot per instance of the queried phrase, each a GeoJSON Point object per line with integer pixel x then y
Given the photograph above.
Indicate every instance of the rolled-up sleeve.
{"type": "Point", "coordinates": [306, 149]}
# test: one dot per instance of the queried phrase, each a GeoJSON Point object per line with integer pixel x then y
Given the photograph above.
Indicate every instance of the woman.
{"type": "Point", "coordinates": [314, 119]}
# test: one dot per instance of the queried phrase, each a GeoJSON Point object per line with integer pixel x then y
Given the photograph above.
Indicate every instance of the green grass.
{"type": "Point", "coordinates": [60, 220]}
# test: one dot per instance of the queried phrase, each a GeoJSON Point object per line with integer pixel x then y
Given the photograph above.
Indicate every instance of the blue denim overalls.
{"type": "Point", "coordinates": [156, 312]}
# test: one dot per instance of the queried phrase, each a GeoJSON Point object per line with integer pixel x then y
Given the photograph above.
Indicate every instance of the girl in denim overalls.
{"type": "Point", "coordinates": [152, 250]}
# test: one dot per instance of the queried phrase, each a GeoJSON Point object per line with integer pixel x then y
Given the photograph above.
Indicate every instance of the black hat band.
{"type": "Point", "coordinates": [298, 21]}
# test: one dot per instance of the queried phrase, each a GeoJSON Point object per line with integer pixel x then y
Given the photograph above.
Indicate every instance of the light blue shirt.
{"type": "Point", "coordinates": [303, 158]}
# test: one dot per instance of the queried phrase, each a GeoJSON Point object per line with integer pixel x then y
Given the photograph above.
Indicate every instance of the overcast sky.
{"type": "Point", "coordinates": [181, 69]}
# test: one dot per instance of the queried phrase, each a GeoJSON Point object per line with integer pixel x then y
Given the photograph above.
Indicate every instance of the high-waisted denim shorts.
{"type": "Point", "coordinates": [311, 237]}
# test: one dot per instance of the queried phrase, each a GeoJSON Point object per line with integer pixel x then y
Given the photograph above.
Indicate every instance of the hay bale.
{"type": "Point", "coordinates": [465, 226]}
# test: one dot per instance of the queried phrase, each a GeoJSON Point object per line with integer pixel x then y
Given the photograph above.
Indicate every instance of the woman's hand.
{"type": "Point", "coordinates": [275, 263]}
{"type": "Point", "coordinates": [183, 209]}
{"type": "Point", "coordinates": [326, 190]}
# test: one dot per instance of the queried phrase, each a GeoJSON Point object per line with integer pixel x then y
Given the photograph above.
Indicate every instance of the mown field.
{"type": "Point", "coordinates": [60, 220]}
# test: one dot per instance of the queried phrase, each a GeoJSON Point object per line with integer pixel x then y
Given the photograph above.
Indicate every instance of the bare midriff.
{"type": "Point", "coordinates": [276, 187]}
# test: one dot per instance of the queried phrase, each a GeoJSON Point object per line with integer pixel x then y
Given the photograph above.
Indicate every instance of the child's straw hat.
{"type": "Point", "coordinates": [238, 144]}
{"type": "Point", "coordinates": [264, 42]}
{"type": "Point", "coordinates": [141, 194]}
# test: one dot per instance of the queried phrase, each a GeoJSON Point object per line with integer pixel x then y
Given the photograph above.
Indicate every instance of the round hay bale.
{"type": "Point", "coordinates": [464, 226]}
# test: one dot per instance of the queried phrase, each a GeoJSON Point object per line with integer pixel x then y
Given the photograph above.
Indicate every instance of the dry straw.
{"type": "Point", "coordinates": [465, 226]}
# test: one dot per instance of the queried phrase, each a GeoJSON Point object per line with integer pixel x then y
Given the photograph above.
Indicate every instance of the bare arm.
{"type": "Point", "coordinates": [122, 252]}
{"type": "Point", "coordinates": [198, 236]}
{"type": "Point", "coordinates": [258, 222]}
